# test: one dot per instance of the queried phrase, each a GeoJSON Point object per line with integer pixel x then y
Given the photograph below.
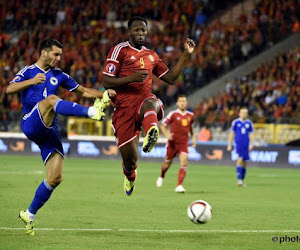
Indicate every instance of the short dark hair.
{"type": "Point", "coordinates": [48, 43]}
{"type": "Point", "coordinates": [179, 96]}
{"type": "Point", "coordinates": [136, 18]}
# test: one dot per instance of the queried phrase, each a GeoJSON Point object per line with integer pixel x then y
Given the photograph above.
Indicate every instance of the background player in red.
{"type": "Point", "coordinates": [180, 122]}
{"type": "Point", "coordinates": [128, 70]}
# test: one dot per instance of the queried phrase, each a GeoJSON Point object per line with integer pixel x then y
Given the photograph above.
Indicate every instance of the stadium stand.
{"type": "Point", "coordinates": [271, 93]}
{"type": "Point", "coordinates": [221, 45]}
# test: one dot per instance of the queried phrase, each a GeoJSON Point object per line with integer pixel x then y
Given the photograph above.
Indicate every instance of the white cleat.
{"type": "Point", "coordinates": [179, 189]}
{"type": "Point", "coordinates": [240, 183]}
{"type": "Point", "coordinates": [159, 181]}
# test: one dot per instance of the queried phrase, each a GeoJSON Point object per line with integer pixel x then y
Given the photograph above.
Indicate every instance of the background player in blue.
{"type": "Point", "coordinates": [242, 133]}
{"type": "Point", "coordinates": [38, 85]}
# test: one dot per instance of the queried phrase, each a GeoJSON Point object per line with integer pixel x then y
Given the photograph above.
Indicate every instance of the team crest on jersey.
{"type": "Point", "coordinates": [53, 81]}
{"type": "Point", "coordinates": [247, 125]}
{"type": "Point", "coordinates": [151, 58]}
{"type": "Point", "coordinates": [110, 68]}
{"type": "Point", "coordinates": [17, 78]}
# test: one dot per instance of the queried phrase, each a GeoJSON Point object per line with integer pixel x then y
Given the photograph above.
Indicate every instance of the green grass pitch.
{"type": "Point", "coordinates": [90, 210]}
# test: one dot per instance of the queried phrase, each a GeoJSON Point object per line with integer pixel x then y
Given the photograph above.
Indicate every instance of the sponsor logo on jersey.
{"type": "Point", "coordinates": [53, 81]}
{"type": "Point", "coordinates": [151, 58]}
{"type": "Point", "coordinates": [110, 68]}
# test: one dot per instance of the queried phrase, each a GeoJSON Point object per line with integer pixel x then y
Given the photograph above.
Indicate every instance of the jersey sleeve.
{"type": "Point", "coordinates": [20, 76]}
{"type": "Point", "coordinates": [160, 68]}
{"type": "Point", "coordinates": [68, 82]}
{"type": "Point", "coordinates": [233, 126]}
{"type": "Point", "coordinates": [113, 61]}
{"type": "Point", "coordinates": [251, 127]}
{"type": "Point", "coordinates": [168, 119]}
{"type": "Point", "coordinates": [192, 119]}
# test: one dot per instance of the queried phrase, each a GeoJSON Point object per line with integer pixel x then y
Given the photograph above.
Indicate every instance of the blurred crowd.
{"type": "Point", "coordinates": [88, 29]}
{"type": "Point", "coordinates": [271, 93]}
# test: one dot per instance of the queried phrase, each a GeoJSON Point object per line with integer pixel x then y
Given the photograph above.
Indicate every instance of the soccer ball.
{"type": "Point", "coordinates": [199, 211]}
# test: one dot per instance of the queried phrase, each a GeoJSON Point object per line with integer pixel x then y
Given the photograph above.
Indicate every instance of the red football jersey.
{"type": "Point", "coordinates": [124, 60]}
{"type": "Point", "coordinates": [180, 125]}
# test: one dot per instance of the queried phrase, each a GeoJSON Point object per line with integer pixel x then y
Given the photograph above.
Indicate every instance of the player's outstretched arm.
{"type": "Point", "coordinates": [93, 93]}
{"type": "Point", "coordinates": [16, 87]}
{"type": "Point", "coordinates": [174, 73]}
{"type": "Point", "coordinates": [165, 131]}
{"type": "Point", "coordinates": [251, 136]}
{"type": "Point", "coordinates": [230, 140]}
{"type": "Point", "coordinates": [193, 137]}
{"type": "Point", "coordinates": [112, 82]}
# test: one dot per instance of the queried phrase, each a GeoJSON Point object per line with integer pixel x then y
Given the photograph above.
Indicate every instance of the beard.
{"type": "Point", "coordinates": [48, 63]}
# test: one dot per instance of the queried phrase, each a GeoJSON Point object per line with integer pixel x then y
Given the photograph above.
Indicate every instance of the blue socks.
{"type": "Point", "coordinates": [70, 108]}
{"type": "Point", "coordinates": [240, 172]}
{"type": "Point", "coordinates": [243, 173]}
{"type": "Point", "coordinates": [42, 194]}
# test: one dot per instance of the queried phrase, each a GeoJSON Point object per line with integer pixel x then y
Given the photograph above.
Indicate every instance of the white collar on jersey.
{"type": "Point", "coordinates": [42, 69]}
{"type": "Point", "coordinates": [182, 113]}
{"type": "Point", "coordinates": [243, 121]}
{"type": "Point", "coordinates": [139, 50]}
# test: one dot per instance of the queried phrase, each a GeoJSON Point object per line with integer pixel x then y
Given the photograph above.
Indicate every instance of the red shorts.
{"type": "Point", "coordinates": [174, 149]}
{"type": "Point", "coordinates": [126, 121]}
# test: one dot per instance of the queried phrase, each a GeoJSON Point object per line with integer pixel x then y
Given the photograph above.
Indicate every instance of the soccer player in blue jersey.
{"type": "Point", "coordinates": [38, 85]}
{"type": "Point", "coordinates": [242, 133]}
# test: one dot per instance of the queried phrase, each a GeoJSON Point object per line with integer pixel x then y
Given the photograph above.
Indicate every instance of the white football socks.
{"type": "Point", "coordinates": [30, 216]}
{"type": "Point", "coordinates": [91, 111]}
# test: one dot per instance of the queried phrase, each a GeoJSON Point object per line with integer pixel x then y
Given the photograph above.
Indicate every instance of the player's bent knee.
{"type": "Point", "coordinates": [51, 100]}
{"type": "Point", "coordinates": [48, 103]}
{"type": "Point", "coordinates": [150, 104]}
{"type": "Point", "coordinates": [240, 162]}
{"type": "Point", "coordinates": [54, 181]}
{"type": "Point", "coordinates": [168, 164]}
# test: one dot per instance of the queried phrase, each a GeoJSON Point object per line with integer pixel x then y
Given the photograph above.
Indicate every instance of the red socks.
{"type": "Point", "coordinates": [163, 170]}
{"type": "Point", "coordinates": [150, 119]}
{"type": "Point", "coordinates": [181, 174]}
{"type": "Point", "coordinates": [129, 174]}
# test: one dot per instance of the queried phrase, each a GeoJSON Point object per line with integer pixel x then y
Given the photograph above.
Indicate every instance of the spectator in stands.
{"type": "Point", "coordinates": [204, 134]}
{"type": "Point", "coordinates": [83, 29]}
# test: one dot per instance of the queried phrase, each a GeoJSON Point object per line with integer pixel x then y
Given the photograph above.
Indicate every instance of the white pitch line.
{"type": "Point", "coordinates": [210, 231]}
{"type": "Point", "coordinates": [157, 230]}
{"type": "Point", "coordinates": [59, 229]}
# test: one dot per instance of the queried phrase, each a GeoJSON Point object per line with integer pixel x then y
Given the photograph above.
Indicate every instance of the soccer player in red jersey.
{"type": "Point", "coordinates": [128, 70]}
{"type": "Point", "coordinates": [180, 122]}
